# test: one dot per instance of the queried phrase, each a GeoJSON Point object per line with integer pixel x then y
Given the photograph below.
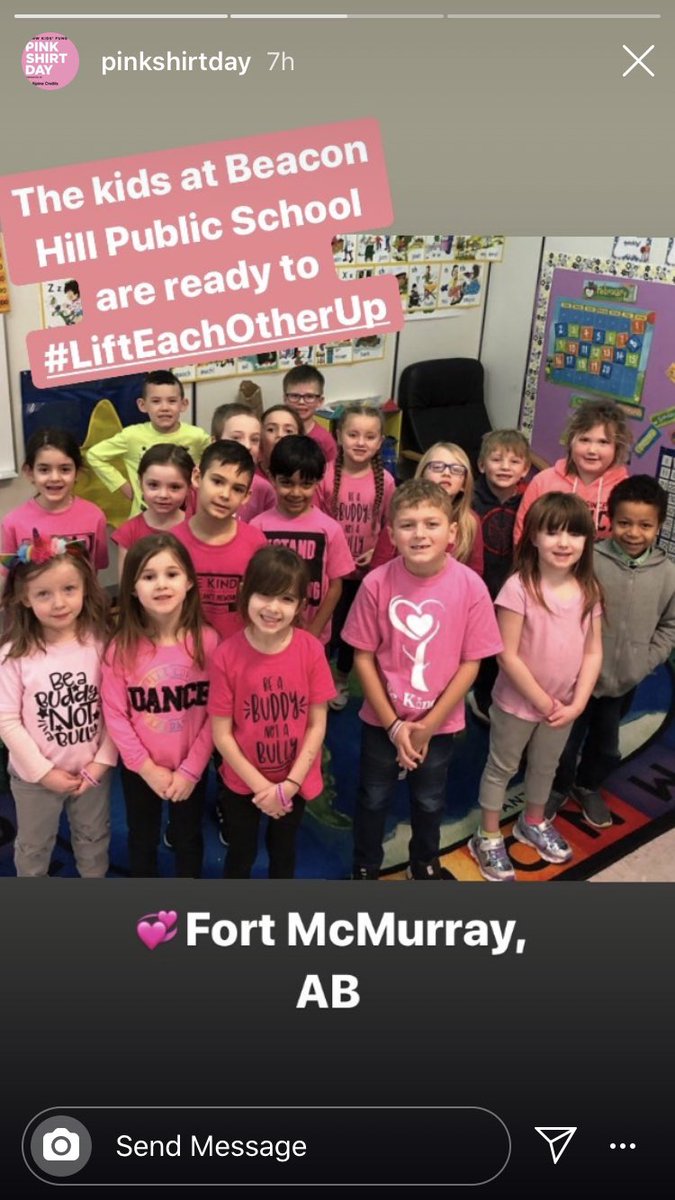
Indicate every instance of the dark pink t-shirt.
{"type": "Point", "coordinates": [136, 528]}
{"type": "Point", "coordinates": [420, 629]}
{"type": "Point", "coordinates": [318, 539]}
{"type": "Point", "coordinates": [82, 521]}
{"type": "Point", "coordinates": [325, 439]}
{"type": "Point", "coordinates": [354, 510]}
{"type": "Point", "coordinates": [268, 697]}
{"type": "Point", "coordinates": [220, 570]}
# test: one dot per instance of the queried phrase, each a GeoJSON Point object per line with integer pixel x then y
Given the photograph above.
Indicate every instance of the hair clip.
{"type": "Point", "coordinates": [42, 549]}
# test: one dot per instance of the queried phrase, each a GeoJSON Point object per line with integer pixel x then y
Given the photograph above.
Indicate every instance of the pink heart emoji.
{"type": "Point", "coordinates": [167, 918]}
{"type": "Point", "coordinates": [151, 933]}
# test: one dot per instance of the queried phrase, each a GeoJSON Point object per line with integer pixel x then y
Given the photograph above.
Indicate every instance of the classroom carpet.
{"type": "Point", "coordinates": [640, 794]}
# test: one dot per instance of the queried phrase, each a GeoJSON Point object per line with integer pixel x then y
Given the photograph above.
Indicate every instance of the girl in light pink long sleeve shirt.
{"type": "Point", "coordinates": [155, 695]}
{"type": "Point", "coordinates": [50, 709]}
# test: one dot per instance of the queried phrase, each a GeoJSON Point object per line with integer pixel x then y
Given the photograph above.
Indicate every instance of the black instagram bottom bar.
{"type": "Point", "coordinates": [267, 1146]}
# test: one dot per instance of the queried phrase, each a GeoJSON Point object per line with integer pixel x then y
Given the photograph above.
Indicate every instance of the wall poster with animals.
{"type": "Point", "coordinates": [437, 273]}
{"type": "Point", "coordinates": [602, 328]}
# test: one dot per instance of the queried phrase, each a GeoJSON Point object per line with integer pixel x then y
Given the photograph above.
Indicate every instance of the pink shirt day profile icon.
{"type": "Point", "coordinates": [50, 60]}
{"type": "Point", "coordinates": [155, 928]}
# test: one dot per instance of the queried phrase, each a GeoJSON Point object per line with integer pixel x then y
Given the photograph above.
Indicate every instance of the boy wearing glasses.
{"type": "Point", "coordinates": [303, 392]}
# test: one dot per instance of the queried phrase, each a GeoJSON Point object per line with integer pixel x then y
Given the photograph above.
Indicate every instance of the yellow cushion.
{"type": "Point", "coordinates": [104, 423]}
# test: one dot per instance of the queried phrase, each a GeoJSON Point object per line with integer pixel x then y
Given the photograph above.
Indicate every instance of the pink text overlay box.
{"type": "Point", "coordinates": [202, 253]}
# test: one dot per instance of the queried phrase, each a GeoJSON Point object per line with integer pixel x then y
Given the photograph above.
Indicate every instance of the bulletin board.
{"type": "Point", "coordinates": [602, 329]}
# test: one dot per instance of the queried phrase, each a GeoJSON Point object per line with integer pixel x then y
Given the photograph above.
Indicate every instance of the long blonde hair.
{"type": "Point", "coordinates": [461, 503]}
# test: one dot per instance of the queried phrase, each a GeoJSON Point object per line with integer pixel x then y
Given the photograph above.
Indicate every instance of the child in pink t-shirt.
{"type": "Point", "coordinates": [238, 423]}
{"type": "Point", "coordinates": [356, 491]}
{"type": "Point", "coordinates": [219, 545]}
{"type": "Point", "coordinates": [53, 459]}
{"type": "Point", "coordinates": [165, 476]}
{"type": "Point", "coordinates": [155, 695]}
{"type": "Point", "coordinates": [269, 687]}
{"type": "Point", "coordinates": [549, 616]}
{"type": "Point", "coordinates": [55, 618]}
{"type": "Point", "coordinates": [420, 625]}
{"type": "Point", "coordinates": [297, 465]}
{"type": "Point", "coordinates": [278, 422]}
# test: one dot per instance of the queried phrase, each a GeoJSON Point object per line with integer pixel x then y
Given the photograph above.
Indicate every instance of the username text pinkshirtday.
{"type": "Point", "coordinates": [202, 253]}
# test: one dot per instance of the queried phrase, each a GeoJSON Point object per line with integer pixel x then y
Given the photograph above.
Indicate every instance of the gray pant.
{"type": "Point", "coordinates": [38, 812]}
{"type": "Point", "coordinates": [509, 736]}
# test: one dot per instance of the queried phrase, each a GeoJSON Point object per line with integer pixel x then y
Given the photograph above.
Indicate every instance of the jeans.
{"type": "Point", "coordinates": [378, 778]}
{"type": "Point", "coordinates": [596, 734]}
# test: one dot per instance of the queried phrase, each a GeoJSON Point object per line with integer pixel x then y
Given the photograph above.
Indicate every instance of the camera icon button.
{"type": "Point", "coordinates": [60, 1146]}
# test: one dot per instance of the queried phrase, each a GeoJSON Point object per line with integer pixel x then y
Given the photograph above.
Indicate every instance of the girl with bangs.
{"type": "Point", "coordinates": [155, 695]}
{"type": "Point", "coordinates": [549, 614]}
{"type": "Point", "coordinates": [270, 684]}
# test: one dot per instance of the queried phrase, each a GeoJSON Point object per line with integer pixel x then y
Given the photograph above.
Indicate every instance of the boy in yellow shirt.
{"type": "Point", "coordinates": [163, 400]}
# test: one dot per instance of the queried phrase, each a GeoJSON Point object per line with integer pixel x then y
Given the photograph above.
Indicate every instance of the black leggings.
{"type": "Point", "coordinates": [243, 821]}
{"type": "Point", "coordinates": [144, 820]}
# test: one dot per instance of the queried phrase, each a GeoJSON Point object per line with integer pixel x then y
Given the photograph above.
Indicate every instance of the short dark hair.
{"type": "Point", "coordinates": [272, 571]}
{"type": "Point", "coordinates": [162, 378]}
{"type": "Point", "coordinates": [228, 453]}
{"type": "Point", "coordinates": [52, 439]}
{"type": "Point", "coordinates": [639, 489]}
{"type": "Point", "coordinates": [71, 285]}
{"type": "Point", "coordinates": [298, 453]}
{"type": "Point", "coordinates": [304, 374]}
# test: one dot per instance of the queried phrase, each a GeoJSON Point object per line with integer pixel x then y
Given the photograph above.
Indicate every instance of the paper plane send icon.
{"type": "Point", "coordinates": [558, 1138]}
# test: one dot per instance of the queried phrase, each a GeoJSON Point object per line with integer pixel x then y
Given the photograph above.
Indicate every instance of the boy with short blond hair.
{"type": "Point", "coordinates": [162, 400]}
{"type": "Point", "coordinates": [303, 393]}
{"type": "Point", "coordinates": [420, 624]}
{"type": "Point", "coordinates": [504, 461]}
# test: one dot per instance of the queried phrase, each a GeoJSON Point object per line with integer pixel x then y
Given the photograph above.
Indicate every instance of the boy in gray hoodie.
{"type": "Point", "coordinates": [638, 634]}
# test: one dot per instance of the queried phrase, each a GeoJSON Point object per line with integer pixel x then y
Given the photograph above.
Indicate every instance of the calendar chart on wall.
{"type": "Point", "coordinates": [601, 346]}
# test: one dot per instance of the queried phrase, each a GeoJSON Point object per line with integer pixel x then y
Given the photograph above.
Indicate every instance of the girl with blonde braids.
{"type": "Point", "coordinates": [356, 491]}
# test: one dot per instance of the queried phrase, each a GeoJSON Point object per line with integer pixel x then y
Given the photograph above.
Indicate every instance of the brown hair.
{"type": "Point", "coordinates": [134, 624]}
{"type": "Point", "coordinates": [223, 412]}
{"type": "Point", "coordinates": [167, 454]}
{"type": "Point", "coordinates": [552, 512]}
{"type": "Point", "coordinates": [21, 627]}
{"type": "Point", "coordinates": [274, 571]}
{"type": "Point", "coordinates": [361, 410]}
{"type": "Point", "coordinates": [504, 439]}
{"type": "Point", "coordinates": [598, 412]}
{"type": "Point", "coordinates": [462, 513]}
{"type": "Point", "coordinates": [420, 491]}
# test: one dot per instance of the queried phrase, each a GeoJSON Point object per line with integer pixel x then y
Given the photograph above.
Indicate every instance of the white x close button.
{"type": "Point", "coordinates": [638, 61]}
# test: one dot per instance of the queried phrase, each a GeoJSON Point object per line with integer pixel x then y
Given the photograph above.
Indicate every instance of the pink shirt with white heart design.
{"type": "Point", "coordinates": [420, 629]}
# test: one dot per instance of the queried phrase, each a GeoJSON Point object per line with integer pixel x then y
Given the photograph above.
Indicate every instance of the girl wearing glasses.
{"type": "Point", "coordinates": [446, 463]}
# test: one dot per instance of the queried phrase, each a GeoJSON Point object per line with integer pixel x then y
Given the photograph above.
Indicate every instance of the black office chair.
{"type": "Point", "coordinates": [441, 400]}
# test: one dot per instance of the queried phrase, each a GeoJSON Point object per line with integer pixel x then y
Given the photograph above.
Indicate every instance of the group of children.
{"type": "Point", "coordinates": [252, 555]}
